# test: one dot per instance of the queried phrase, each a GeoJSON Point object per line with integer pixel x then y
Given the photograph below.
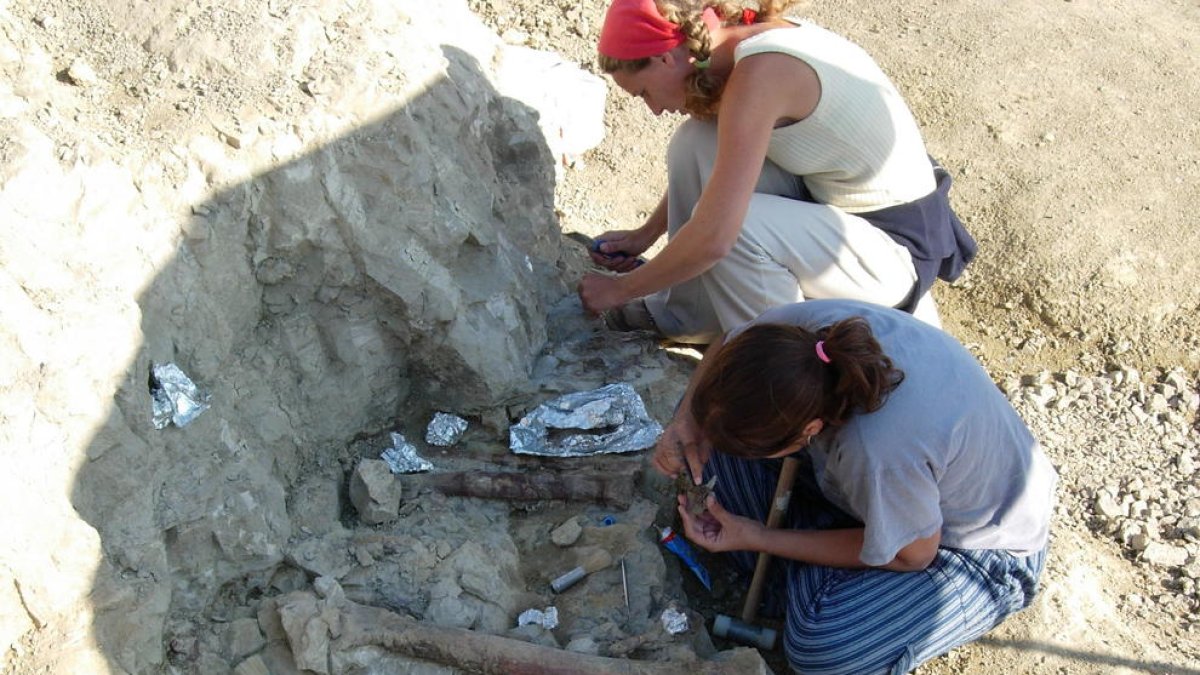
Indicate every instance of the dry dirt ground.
{"type": "Point", "coordinates": [1069, 129]}
{"type": "Point", "coordinates": [1066, 125]}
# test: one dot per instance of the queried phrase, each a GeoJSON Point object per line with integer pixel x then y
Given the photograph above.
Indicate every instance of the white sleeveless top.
{"type": "Point", "coordinates": [860, 149]}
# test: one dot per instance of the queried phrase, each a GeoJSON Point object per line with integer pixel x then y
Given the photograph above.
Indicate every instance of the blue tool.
{"type": "Point", "coordinates": [680, 547]}
{"type": "Point", "coordinates": [618, 255]}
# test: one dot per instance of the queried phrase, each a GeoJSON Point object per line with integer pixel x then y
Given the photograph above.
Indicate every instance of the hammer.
{"type": "Point", "coordinates": [744, 631]}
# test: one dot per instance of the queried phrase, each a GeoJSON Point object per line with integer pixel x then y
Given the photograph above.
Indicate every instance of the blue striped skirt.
{"type": "Point", "coordinates": [870, 620]}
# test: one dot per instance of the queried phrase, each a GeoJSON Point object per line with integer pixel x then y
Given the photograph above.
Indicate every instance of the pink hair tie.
{"type": "Point", "coordinates": [821, 352]}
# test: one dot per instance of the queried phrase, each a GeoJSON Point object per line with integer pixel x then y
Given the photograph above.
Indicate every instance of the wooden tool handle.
{"type": "Point", "coordinates": [779, 507]}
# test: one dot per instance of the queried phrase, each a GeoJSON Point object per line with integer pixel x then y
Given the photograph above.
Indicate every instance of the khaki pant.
{"type": "Point", "coordinates": [788, 251]}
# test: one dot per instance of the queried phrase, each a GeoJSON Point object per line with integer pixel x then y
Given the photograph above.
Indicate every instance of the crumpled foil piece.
{"type": "Point", "coordinates": [547, 619]}
{"type": "Point", "coordinates": [402, 457]}
{"type": "Point", "coordinates": [174, 398]}
{"type": "Point", "coordinates": [445, 429]}
{"type": "Point", "coordinates": [610, 419]}
{"type": "Point", "coordinates": [674, 621]}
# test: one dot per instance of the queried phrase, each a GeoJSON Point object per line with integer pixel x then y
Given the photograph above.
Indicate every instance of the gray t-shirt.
{"type": "Point", "coordinates": [945, 452]}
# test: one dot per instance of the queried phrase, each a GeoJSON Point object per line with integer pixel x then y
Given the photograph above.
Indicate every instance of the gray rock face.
{"type": "Point", "coordinates": [328, 216]}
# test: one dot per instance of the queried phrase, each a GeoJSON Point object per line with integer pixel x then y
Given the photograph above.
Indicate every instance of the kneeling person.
{"type": "Point", "coordinates": [926, 515]}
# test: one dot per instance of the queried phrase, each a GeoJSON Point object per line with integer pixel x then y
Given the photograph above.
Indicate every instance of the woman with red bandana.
{"type": "Point", "coordinates": [800, 174]}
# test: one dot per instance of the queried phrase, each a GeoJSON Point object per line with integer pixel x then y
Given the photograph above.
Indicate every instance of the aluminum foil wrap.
{"type": "Point", "coordinates": [546, 619]}
{"type": "Point", "coordinates": [445, 429]}
{"type": "Point", "coordinates": [174, 398]}
{"type": "Point", "coordinates": [674, 621]}
{"type": "Point", "coordinates": [402, 457]}
{"type": "Point", "coordinates": [610, 419]}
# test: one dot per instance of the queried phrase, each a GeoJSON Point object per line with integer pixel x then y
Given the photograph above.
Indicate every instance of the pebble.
{"type": "Point", "coordinates": [1165, 555]}
{"type": "Point", "coordinates": [566, 534]}
{"type": "Point", "coordinates": [81, 74]}
{"type": "Point", "coordinates": [1127, 450]}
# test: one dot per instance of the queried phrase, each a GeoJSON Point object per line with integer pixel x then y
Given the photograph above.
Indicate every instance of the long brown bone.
{"type": "Point", "coordinates": [476, 652]}
{"type": "Point", "coordinates": [613, 489]}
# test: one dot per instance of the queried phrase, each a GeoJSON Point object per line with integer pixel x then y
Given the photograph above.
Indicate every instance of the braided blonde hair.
{"type": "Point", "coordinates": [703, 88]}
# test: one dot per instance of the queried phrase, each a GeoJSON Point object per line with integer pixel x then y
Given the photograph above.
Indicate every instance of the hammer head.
{"type": "Point", "coordinates": [739, 631]}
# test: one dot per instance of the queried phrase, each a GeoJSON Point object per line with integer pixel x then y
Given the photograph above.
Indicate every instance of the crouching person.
{"type": "Point", "coordinates": [920, 519]}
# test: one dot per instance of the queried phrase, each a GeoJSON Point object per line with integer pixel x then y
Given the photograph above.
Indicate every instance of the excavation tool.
{"type": "Point", "coordinates": [590, 560]}
{"type": "Point", "coordinates": [593, 245]}
{"type": "Point", "coordinates": [744, 631]}
{"type": "Point", "coordinates": [679, 546]}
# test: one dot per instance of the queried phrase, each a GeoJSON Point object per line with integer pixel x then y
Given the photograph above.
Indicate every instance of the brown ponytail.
{"type": "Point", "coordinates": [703, 88]}
{"type": "Point", "coordinates": [762, 387]}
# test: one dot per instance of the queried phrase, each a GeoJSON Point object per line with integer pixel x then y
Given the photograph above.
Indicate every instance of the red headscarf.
{"type": "Point", "coordinates": [634, 29]}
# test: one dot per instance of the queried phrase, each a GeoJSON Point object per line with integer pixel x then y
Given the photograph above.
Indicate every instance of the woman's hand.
{"type": "Point", "coordinates": [599, 293]}
{"type": "Point", "coordinates": [681, 447]}
{"type": "Point", "coordinates": [716, 529]}
{"type": "Point", "coordinates": [618, 250]}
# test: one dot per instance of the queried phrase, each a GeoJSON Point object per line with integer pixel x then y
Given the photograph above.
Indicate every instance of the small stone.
{"type": "Point", "coordinates": [1139, 541]}
{"type": "Point", "coordinates": [375, 492]}
{"type": "Point", "coordinates": [81, 74]}
{"type": "Point", "coordinates": [566, 534]}
{"type": "Point", "coordinates": [232, 138]}
{"type": "Point", "coordinates": [1040, 395]}
{"type": "Point", "coordinates": [1165, 555]}
{"type": "Point", "coordinates": [1107, 507]}
{"type": "Point", "coordinates": [1042, 377]}
{"type": "Point", "coordinates": [329, 588]}
{"type": "Point", "coordinates": [583, 645]}
{"type": "Point", "coordinates": [1157, 404]}
{"type": "Point", "coordinates": [1187, 465]}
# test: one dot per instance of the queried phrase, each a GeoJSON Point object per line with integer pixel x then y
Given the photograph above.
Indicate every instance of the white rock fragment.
{"type": "Point", "coordinates": [1107, 507]}
{"type": "Point", "coordinates": [1165, 555]}
{"type": "Point", "coordinates": [81, 74]}
{"type": "Point", "coordinates": [584, 645]}
{"type": "Point", "coordinates": [566, 534]}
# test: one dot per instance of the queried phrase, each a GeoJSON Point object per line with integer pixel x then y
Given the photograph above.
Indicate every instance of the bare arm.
{"type": "Point", "coordinates": [841, 548]}
{"type": "Point", "coordinates": [719, 530]}
{"type": "Point", "coordinates": [656, 223]}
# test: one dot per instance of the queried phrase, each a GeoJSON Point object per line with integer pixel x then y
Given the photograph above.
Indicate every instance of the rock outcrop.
{"type": "Point", "coordinates": [326, 214]}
